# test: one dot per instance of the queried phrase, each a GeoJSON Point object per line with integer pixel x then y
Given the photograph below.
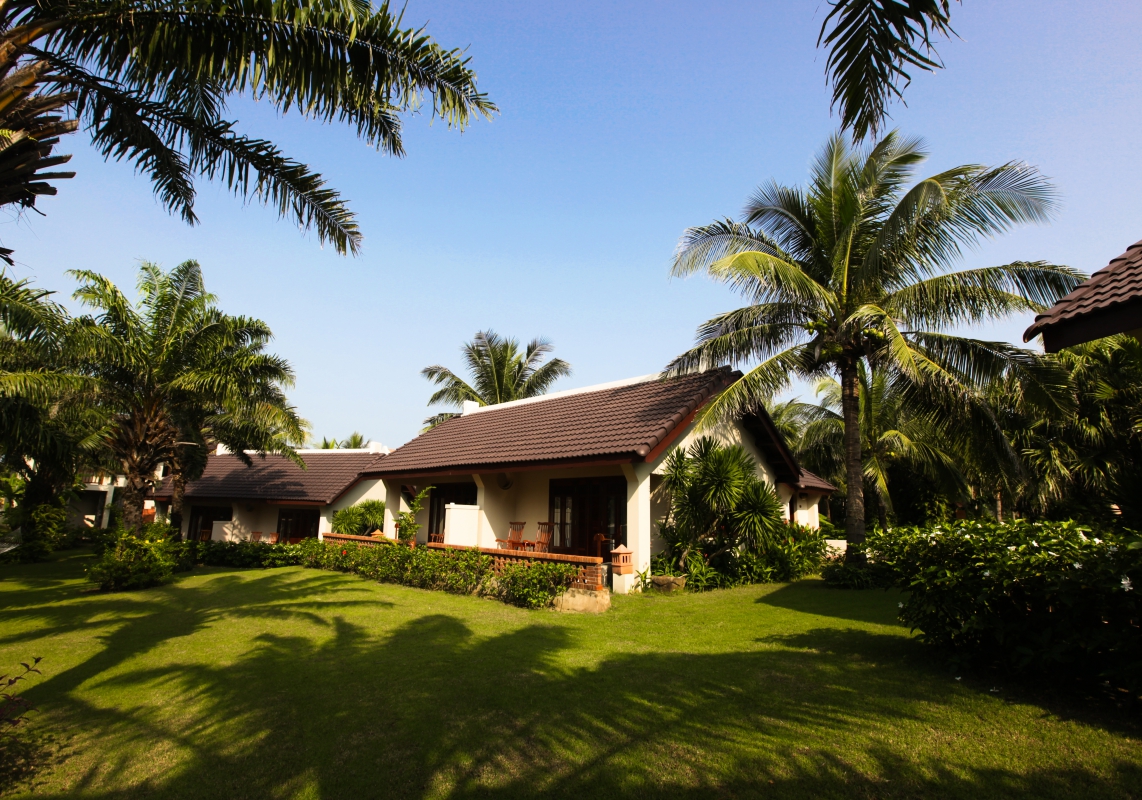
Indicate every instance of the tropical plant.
{"type": "Point", "coordinates": [1086, 462]}
{"type": "Point", "coordinates": [329, 444]}
{"type": "Point", "coordinates": [855, 268]}
{"type": "Point", "coordinates": [718, 504]}
{"type": "Point", "coordinates": [360, 519]}
{"type": "Point", "coordinates": [500, 373]}
{"type": "Point", "coordinates": [872, 44]}
{"type": "Point", "coordinates": [49, 427]}
{"type": "Point", "coordinates": [150, 81]}
{"type": "Point", "coordinates": [177, 376]}
{"type": "Point", "coordinates": [355, 442]}
{"type": "Point", "coordinates": [406, 524]}
{"type": "Point", "coordinates": [894, 430]}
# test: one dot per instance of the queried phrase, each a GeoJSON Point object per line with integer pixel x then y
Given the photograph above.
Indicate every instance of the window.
{"type": "Point", "coordinates": [588, 515]}
{"type": "Point", "coordinates": [202, 519]}
{"type": "Point", "coordinates": [295, 524]}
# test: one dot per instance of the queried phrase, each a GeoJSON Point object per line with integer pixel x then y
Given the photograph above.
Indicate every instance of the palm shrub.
{"type": "Point", "coordinates": [1046, 598]}
{"type": "Point", "coordinates": [719, 510]}
{"type": "Point", "coordinates": [500, 373]}
{"type": "Point", "coordinates": [855, 267]}
{"type": "Point", "coordinates": [360, 519]}
{"type": "Point", "coordinates": [406, 524]}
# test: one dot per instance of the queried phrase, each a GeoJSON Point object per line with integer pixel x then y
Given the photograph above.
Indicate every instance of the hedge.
{"type": "Point", "coordinates": [1049, 598]}
{"type": "Point", "coordinates": [137, 562]}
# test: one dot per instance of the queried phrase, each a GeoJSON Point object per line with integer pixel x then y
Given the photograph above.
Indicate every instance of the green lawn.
{"type": "Point", "coordinates": [298, 683]}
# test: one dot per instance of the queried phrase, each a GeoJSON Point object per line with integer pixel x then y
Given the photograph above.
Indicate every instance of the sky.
{"type": "Point", "coordinates": [619, 126]}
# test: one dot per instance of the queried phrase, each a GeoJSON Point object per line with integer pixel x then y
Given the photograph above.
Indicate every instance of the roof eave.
{"type": "Point", "coordinates": [1080, 329]}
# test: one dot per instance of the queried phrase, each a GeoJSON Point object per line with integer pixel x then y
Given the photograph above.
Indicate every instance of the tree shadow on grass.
{"type": "Point", "coordinates": [815, 597]}
{"type": "Point", "coordinates": [431, 709]}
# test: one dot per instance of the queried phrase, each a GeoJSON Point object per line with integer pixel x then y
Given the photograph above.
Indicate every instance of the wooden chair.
{"type": "Point", "coordinates": [543, 538]}
{"type": "Point", "coordinates": [515, 537]}
{"type": "Point", "coordinates": [256, 536]}
{"type": "Point", "coordinates": [436, 537]}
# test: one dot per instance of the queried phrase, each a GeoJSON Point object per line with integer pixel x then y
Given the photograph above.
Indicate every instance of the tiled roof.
{"type": "Point", "coordinates": [625, 420]}
{"type": "Point", "coordinates": [328, 474]}
{"type": "Point", "coordinates": [810, 481]}
{"type": "Point", "coordinates": [1114, 285]}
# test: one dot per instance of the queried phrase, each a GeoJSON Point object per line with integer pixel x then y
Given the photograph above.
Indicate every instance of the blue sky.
{"type": "Point", "coordinates": [620, 125]}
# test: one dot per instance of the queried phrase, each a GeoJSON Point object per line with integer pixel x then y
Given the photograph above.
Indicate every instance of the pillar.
{"type": "Point", "coordinates": [639, 523]}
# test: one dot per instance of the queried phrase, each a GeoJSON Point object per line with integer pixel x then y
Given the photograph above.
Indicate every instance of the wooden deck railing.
{"type": "Point", "coordinates": [592, 573]}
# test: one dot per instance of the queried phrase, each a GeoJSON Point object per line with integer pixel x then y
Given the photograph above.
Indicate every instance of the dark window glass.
{"type": "Point", "coordinates": [295, 524]}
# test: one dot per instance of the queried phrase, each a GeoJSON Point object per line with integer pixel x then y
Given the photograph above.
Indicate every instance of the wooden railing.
{"type": "Point", "coordinates": [592, 573]}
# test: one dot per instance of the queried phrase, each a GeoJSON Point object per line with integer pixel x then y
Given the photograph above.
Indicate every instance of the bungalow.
{"type": "Point", "coordinates": [586, 462]}
{"type": "Point", "coordinates": [273, 498]}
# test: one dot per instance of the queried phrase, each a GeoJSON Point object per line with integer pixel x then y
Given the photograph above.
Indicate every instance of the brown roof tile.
{"type": "Point", "coordinates": [1115, 285]}
{"type": "Point", "coordinates": [328, 474]}
{"type": "Point", "coordinates": [808, 480]}
{"type": "Point", "coordinates": [624, 421]}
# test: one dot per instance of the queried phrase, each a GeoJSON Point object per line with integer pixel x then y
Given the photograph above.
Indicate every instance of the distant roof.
{"type": "Point", "coordinates": [329, 473]}
{"type": "Point", "coordinates": [619, 421]}
{"type": "Point", "coordinates": [1109, 302]}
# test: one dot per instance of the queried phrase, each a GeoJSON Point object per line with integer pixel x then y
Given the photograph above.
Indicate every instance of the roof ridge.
{"type": "Point", "coordinates": [598, 387]}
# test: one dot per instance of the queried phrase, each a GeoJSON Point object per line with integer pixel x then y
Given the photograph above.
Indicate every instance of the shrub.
{"type": "Point", "coordinates": [1046, 597]}
{"type": "Point", "coordinates": [134, 562]}
{"type": "Point", "coordinates": [534, 585]}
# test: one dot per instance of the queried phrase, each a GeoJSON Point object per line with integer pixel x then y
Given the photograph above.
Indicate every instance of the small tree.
{"type": "Point", "coordinates": [717, 502]}
{"type": "Point", "coordinates": [407, 526]}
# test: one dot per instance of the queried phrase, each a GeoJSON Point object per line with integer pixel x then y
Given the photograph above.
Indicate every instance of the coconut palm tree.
{"type": "Point", "coordinates": [176, 376]}
{"type": "Point", "coordinates": [149, 82]}
{"type": "Point", "coordinates": [500, 373]}
{"type": "Point", "coordinates": [872, 44]}
{"type": "Point", "coordinates": [856, 267]}
{"type": "Point", "coordinates": [893, 431]}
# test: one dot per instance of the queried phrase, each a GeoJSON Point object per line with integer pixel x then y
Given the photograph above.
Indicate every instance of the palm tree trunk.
{"type": "Point", "coordinates": [134, 493]}
{"type": "Point", "coordinates": [999, 506]}
{"type": "Point", "coordinates": [178, 491]}
{"type": "Point", "coordinates": [854, 475]}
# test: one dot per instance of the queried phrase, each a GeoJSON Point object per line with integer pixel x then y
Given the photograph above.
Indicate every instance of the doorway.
{"type": "Point", "coordinates": [588, 515]}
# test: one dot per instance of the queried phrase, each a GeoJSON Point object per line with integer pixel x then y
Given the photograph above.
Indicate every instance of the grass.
{"type": "Point", "coordinates": [298, 683]}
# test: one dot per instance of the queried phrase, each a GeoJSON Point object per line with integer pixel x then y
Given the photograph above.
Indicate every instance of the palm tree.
{"type": "Point", "coordinates": [177, 376]}
{"type": "Point", "coordinates": [49, 427]}
{"type": "Point", "coordinates": [500, 373]}
{"type": "Point", "coordinates": [893, 431]}
{"type": "Point", "coordinates": [855, 267]}
{"type": "Point", "coordinates": [149, 82]}
{"type": "Point", "coordinates": [355, 442]}
{"type": "Point", "coordinates": [872, 45]}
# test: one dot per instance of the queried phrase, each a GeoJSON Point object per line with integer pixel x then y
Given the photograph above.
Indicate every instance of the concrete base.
{"type": "Point", "coordinates": [584, 600]}
{"type": "Point", "coordinates": [624, 584]}
{"type": "Point", "coordinates": [667, 583]}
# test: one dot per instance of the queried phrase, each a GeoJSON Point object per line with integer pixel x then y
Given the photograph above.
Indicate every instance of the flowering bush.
{"type": "Point", "coordinates": [1028, 597]}
{"type": "Point", "coordinates": [134, 562]}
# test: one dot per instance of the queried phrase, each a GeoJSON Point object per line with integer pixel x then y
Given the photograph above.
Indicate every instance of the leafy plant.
{"type": "Point", "coordinates": [534, 585]}
{"type": "Point", "coordinates": [407, 526]}
{"type": "Point", "coordinates": [718, 503]}
{"type": "Point", "coordinates": [1047, 597]}
{"type": "Point", "coordinates": [360, 519]}
{"type": "Point", "coordinates": [134, 562]}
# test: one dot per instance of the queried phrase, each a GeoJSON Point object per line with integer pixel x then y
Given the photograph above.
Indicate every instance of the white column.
{"type": "Point", "coordinates": [639, 523]}
{"type": "Point", "coordinates": [394, 504]}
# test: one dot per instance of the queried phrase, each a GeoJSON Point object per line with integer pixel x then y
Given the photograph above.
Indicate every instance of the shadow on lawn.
{"type": "Point", "coordinates": [433, 710]}
{"type": "Point", "coordinates": [817, 598]}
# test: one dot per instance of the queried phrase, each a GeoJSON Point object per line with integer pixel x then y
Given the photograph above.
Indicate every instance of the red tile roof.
{"type": "Point", "coordinates": [1113, 294]}
{"type": "Point", "coordinates": [617, 422]}
{"type": "Point", "coordinates": [328, 474]}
